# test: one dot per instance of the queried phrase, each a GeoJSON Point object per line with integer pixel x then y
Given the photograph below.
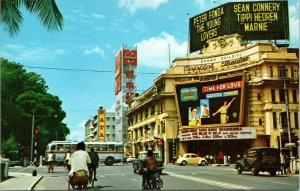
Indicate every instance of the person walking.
{"type": "Point", "coordinates": [94, 163]}
{"type": "Point", "coordinates": [50, 159]}
{"type": "Point", "coordinates": [282, 163]}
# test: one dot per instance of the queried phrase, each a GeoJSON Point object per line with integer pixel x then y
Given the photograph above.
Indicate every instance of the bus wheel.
{"type": "Point", "coordinates": [109, 161]}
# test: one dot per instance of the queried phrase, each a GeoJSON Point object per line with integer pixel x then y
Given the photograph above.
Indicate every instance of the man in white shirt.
{"type": "Point", "coordinates": [79, 162]}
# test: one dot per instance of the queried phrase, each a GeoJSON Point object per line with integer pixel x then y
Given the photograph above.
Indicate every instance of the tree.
{"type": "Point", "coordinates": [22, 94]}
{"type": "Point", "coordinates": [46, 10]}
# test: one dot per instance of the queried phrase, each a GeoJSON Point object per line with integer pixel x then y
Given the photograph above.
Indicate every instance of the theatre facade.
{"type": "Point", "coordinates": [233, 96]}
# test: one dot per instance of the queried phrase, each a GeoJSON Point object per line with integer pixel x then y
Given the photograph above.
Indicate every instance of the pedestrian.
{"type": "Point", "coordinates": [287, 164]}
{"type": "Point", "coordinates": [66, 160]}
{"type": "Point", "coordinates": [50, 158]}
{"type": "Point", "coordinates": [94, 163]}
{"type": "Point", "coordinates": [282, 163]}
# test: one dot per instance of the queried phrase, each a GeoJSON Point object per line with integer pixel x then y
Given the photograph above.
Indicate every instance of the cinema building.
{"type": "Point", "coordinates": [243, 95]}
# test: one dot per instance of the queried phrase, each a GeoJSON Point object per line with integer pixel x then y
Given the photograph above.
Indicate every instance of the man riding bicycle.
{"type": "Point", "coordinates": [148, 170]}
{"type": "Point", "coordinates": [79, 162]}
{"type": "Point", "coordinates": [94, 163]}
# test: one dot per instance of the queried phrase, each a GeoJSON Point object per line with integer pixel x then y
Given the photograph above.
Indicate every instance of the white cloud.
{"type": "Point", "coordinates": [134, 5]}
{"type": "Point", "coordinates": [78, 134]}
{"type": "Point", "coordinates": [294, 24]}
{"type": "Point", "coordinates": [95, 50]}
{"type": "Point", "coordinates": [154, 52]}
{"type": "Point", "coordinates": [23, 53]}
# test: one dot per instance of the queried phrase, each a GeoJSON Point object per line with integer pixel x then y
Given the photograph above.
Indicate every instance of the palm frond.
{"type": "Point", "coordinates": [11, 17]}
{"type": "Point", "coordinates": [47, 11]}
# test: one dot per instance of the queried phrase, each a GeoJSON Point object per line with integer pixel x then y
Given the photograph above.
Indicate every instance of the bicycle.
{"type": "Point", "coordinates": [152, 181]}
{"type": "Point", "coordinates": [92, 178]}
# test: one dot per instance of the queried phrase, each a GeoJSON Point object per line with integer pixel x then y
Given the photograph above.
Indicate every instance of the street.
{"type": "Point", "coordinates": [121, 177]}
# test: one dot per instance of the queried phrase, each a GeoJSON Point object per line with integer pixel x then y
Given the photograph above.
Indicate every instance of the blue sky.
{"type": "Point", "coordinates": [93, 33]}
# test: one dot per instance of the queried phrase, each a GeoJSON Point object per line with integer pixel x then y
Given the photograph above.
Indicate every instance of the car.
{"type": "Point", "coordinates": [259, 159]}
{"type": "Point", "coordinates": [191, 158]}
{"type": "Point", "coordinates": [130, 159]}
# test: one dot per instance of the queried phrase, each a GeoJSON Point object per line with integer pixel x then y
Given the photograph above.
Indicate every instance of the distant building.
{"type": "Point", "coordinates": [92, 131]}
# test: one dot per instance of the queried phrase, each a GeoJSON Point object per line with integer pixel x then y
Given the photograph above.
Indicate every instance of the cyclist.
{"type": "Point", "coordinates": [148, 170]}
{"type": "Point", "coordinates": [79, 161]}
{"type": "Point", "coordinates": [94, 163]}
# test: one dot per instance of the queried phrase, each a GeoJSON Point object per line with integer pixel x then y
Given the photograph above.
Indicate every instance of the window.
{"type": "Point", "coordinates": [260, 121]}
{"type": "Point", "coordinates": [271, 71]}
{"type": "Point", "coordinates": [296, 119]}
{"type": "Point", "coordinates": [274, 120]}
{"type": "Point", "coordinates": [281, 95]}
{"type": "Point", "coordinates": [152, 109]}
{"type": "Point", "coordinates": [282, 71]}
{"type": "Point", "coordinates": [273, 95]}
{"type": "Point", "coordinates": [294, 96]}
{"type": "Point", "coordinates": [292, 72]}
{"type": "Point", "coordinates": [258, 97]}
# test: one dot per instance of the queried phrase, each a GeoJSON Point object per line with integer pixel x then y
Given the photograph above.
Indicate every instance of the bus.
{"type": "Point", "coordinates": [108, 152]}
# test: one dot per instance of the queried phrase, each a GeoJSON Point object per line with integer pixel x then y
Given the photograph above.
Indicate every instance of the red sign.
{"type": "Point", "coordinates": [130, 57]}
{"type": "Point", "coordinates": [160, 142]}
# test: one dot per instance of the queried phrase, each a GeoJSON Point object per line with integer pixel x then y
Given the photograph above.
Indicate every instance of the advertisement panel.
{"type": "Point", "coordinates": [256, 20]}
{"type": "Point", "coordinates": [101, 124]}
{"type": "Point", "coordinates": [118, 69]}
{"type": "Point", "coordinates": [211, 104]}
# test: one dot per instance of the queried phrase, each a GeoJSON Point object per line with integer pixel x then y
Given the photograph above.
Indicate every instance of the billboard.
{"type": "Point", "coordinates": [257, 20]}
{"type": "Point", "coordinates": [101, 124]}
{"type": "Point", "coordinates": [126, 62]}
{"type": "Point", "coordinates": [211, 104]}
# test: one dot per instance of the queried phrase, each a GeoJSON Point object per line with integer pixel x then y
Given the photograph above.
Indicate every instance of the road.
{"type": "Point", "coordinates": [121, 177]}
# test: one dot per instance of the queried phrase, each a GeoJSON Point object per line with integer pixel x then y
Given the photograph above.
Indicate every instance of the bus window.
{"type": "Point", "coordinates": [73, 147]}
{"type": "Point", "coordinates": [111, 147]}
{"type": "Point", "coordinates": [67, 147]}
{"type": "Point", "coordinates": [119, 148]}
{"type": "Point", "coordinates": [53, 147]}
{"type": "Point", "coordinates": [103, 148]}
{"type": "Point", "coordinates": [60, 147]}
{"type": "Point", "coordinates": [97, 147]}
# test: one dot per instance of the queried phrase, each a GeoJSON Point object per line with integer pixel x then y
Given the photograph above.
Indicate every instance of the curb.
{"type": "Point", "coordinates": [34, 183]}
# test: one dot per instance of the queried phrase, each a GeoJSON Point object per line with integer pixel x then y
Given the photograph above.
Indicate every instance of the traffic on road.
{"type": "Point", "coordinates": [175, 177]}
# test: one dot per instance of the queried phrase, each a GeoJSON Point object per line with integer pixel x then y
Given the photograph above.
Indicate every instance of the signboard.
{"type": "Point", "coordinates": [257, 20]}
{"type": "Point", "coordinates": [101, 124]}
{"type": "Point", "coordinates": [218, 103]}
{"type": "Point", "coordinates": [219, 133]}
{"type": "Point", "coordinates": [118, 72]}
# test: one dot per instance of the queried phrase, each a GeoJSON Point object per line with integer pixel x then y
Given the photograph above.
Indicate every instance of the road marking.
{"type": "Point", "coordinates": [282, 183]}
{"type": "Point", "coordinates": [134, 179]}
{"type": "Point", "coordinates": [211, 182]}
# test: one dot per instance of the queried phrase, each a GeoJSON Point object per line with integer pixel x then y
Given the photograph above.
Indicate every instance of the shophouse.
{"type": "Point", "coordinates": [262, 81]}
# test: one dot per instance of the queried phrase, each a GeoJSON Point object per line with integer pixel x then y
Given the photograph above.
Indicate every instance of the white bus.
{"type": "Point", "coordinates": [109, 152]}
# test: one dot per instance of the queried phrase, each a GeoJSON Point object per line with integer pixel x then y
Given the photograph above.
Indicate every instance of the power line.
{"type": "Point", "coordinates": [84, 70]}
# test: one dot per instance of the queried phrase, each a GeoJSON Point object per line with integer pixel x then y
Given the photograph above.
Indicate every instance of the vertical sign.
{"type": "Point", "coordinates": [129, 65]}
{"type": "Point", "coordinates": [118, 73]}
{"type": "Point", "coordinates": [101, 124]}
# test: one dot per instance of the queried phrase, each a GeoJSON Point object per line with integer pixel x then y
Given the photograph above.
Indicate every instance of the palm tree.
{"type": "Point", "coordinates": [46, 10]}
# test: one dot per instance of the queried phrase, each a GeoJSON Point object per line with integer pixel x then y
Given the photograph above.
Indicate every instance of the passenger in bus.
{"type": "Point", "coordinates": [50, 159]}
{"type": "Point", "coordinates": [66, 160]}
{"type": "Point", "coordinates": [94, 163]}
{"type": "Point", "coordinates": [80, 162]}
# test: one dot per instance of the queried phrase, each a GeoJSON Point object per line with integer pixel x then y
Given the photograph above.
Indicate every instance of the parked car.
{"type": "Point", "coordinates": [136, 163]}
{"type": "Point", "coordinates": [259, 159]}
{"type": "Point", "coordinates": [130, 159]}
{"type": "Point", "coordinates": [191, 158]}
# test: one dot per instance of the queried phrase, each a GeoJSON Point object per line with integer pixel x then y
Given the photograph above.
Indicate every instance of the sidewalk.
{"type": "Point", "coordinates": [20, 181]}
